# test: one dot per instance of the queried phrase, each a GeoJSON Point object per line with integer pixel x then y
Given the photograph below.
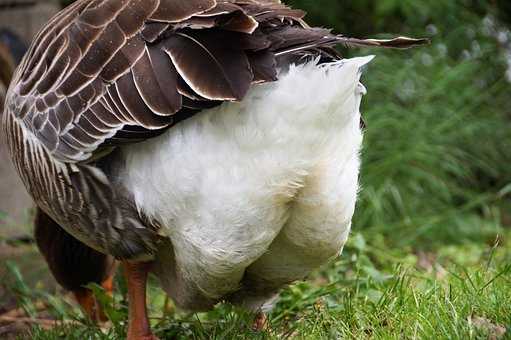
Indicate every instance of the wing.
{"type": "Point", "coordinates": [107, 72]}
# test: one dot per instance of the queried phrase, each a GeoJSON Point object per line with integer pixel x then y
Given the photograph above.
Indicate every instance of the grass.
{"type": "Point", "coordinates": [435, 147]}
{"type": "Point", "coordinates": [370, 292]}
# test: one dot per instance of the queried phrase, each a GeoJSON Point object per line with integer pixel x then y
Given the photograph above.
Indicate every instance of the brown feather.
{"type": "Point", "coordinates": [176, 11]}
{"type": "Point", "coordinates": [106, 45]}
{"type": "Point", "coordinates": [105, 116]}
{"type": "Point", "coordinates": [239, 22]}
{"type": "Point", "coordinates": [220, 9]}
{"type": "Point", "coordinates": [91, 129]}
{"type": "Point", "coordinates": [228, 76]}
{"type": "Point", "coordinates": [264, 66]}
{"type": "Point", "coordinates": [166, 76]}
{"type": "Point", "coordinates": [140, 113]}
{"type": "Point", "coordinates": [132, 17]}
{"type": "Point", "coordinates": [399, 42]}
{"type": "Point", "coordinates": [123, 59]}
{"type": "Point", "coordinates": [55, 69]}
{"type": "Point", "coordinates": [153, 30]}
{"type": "Point", "coordinates": [64, 113]}
{"type": "Point", "coordinates": [163, 101]}
{"type": "Point", "coordinates": [100, 12]}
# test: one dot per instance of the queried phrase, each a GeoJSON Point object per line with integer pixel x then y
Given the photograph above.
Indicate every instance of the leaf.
{"type": "Point", "coordinates": [107, 303]}
{"type": "Point", "coordinates": [505, 191]}
{"type": "Point", "coordinates": [358, 242]}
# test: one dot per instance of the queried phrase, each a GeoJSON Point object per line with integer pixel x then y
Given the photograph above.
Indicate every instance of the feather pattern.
{"type": "Point", "coordinates": [104, 73]}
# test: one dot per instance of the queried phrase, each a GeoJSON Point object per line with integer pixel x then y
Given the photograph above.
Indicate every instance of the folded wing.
{"type": "Point", "coordinates": [107, 72]}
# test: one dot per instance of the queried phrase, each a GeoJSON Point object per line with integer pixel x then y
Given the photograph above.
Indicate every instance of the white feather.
{"type": "Point", "coordinates": [265, 186]}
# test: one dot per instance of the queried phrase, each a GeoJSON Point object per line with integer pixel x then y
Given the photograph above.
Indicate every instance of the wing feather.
{"type": "Point", "coordinates": [133, 16]}
{"type": "Point", "coordinates": [122, 61]}
{"type": "Point", "coordinates": [134, 105]}
{"type": "Point", "coordinates": [176, 11]}
{"type": "Point", "coordinates": [162, 100]}
{"type": "Point", "coordinates": [101, 12]}
{"type": "Point", "coordinates": [152, 30]}
{"type": "Point", "coordinates": [165, 75]}
{"type": "Point", "coordinates": [104, 71]}
{"type": "Point", "coordinates": [264, 66]}
{"type": "Point", "coordinates": [228, 76]}
{"type": "Point", "coordinates": [104, 116]}
{"type": "Point", "coordinates": [111, 40]}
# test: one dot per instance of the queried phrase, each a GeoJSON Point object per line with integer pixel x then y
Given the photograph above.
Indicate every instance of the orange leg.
{"type": "Point", "coordinates": [260, 322]}
{"type": "Point", "coordinates": [90, 306]}
{"type": "Point", "coordinates": [108, 285]}
{"type": "Point", "coordinates": [86, 299]}
{"type": "Point", "coordinates": [138, 325]}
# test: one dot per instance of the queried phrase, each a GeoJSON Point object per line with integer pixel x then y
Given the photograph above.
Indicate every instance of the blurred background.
{"type": "Point", "coordinates": [436, 177]}
{"type": "Point", "coordinates": [438, 144]}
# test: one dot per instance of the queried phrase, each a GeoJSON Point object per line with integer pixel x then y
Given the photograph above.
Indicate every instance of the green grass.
{"type": "Point", "coordinates": [370, 292]}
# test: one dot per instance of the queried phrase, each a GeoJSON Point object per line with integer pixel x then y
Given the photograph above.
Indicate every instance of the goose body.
{"type": "Point", "coordinates": [266, 186]}
{"type": "Point", "coordinates": [216, 139]}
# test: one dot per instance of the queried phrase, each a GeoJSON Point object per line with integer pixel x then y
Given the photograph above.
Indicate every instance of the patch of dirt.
{"type": "Point", "coordinates": [493, 330]}
{"type": "Point", "coordinates": [32, 267]}
{"type": "Point", "coordinates": [427, 262]}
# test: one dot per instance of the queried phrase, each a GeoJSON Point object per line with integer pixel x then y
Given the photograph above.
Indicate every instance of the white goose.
{"type": "Point", "coordinates": [214, 142]}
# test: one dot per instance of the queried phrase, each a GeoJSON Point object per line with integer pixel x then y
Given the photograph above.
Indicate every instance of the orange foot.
{"type": "Point", "coordinates": [144, 337]}
{"type": "Point", "coordinates": [89, 304]}
{"type": "Point", "coordinates": [260, 322]}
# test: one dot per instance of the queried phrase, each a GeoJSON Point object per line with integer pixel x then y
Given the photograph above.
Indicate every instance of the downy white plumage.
{"type": "Point", "coordinates": [263, 189]}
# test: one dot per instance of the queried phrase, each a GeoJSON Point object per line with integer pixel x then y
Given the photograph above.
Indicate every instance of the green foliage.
{"type": "Point", "coordinates": [437, 144]}
{"type": "Point", "coordinates": [365, 17]}
{"type": "Point", "coordinates": [371, 292]}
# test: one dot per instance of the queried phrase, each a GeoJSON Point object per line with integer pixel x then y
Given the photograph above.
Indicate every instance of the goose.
{"type": "Point", "coordinates": [214, 143]}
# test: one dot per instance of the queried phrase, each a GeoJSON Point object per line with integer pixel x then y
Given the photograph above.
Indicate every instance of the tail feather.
{"type": "Point", "coordinates": [399, 42]}
{"type": "Point", "coordinates": [330, 40]}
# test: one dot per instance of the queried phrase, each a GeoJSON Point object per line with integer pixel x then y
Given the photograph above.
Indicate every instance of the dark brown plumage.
{"type": "Point", "coordinates": [72, 263]}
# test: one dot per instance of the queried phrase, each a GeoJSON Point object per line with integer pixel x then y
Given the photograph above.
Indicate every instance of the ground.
{"type": "Point", "coordinates": [372, 291]}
